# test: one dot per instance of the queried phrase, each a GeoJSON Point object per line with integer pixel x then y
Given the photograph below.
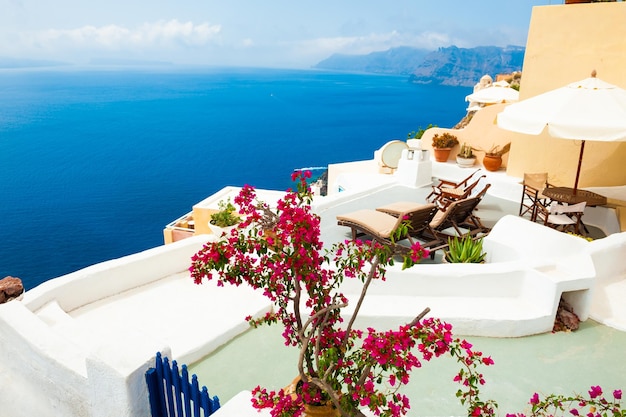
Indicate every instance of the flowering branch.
{"type": "Point", "coordinates": [596, 405]}
{"type": "Point", "coordinates": [279, 252]}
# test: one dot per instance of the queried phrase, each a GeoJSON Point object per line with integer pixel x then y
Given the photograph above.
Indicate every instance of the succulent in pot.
{"type": "Point", "coordinates": [465, 157]}
{"type": "Point", "coordinates": [465, 250]}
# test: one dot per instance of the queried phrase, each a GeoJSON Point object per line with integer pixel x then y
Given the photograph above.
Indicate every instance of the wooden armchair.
{"type": "Point", "coordinates": [532, 196]}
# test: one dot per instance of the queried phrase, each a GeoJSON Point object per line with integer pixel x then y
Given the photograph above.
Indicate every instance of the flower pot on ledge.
{"type": "Point", "coordinates": [442, 154]}
{"type": "Point", "coordinates": [492, 163]}
{"type": "Point", "coordinates": [465, 162]}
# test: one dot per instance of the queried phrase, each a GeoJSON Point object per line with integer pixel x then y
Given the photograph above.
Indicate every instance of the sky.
{"type": "Point", "coordinates": [269, 33]}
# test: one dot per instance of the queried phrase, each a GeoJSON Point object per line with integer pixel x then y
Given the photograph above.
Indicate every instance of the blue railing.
{"type": "Point", "coordinates": [172, 395]}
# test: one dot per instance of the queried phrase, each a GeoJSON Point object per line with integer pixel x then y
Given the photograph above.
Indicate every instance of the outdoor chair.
{"type": "Point", "coordinates": [563, 217]}
{"type": "Point", "coordinates": [460, 218]}
{"type": "Point", "coordinates": [380, 225]}
{"type": "Point", "coordinates": [447, 195]}
{"type": "Point", "coordinates": [532, 196]}
{"type": "Point", "coordinates": [448, 184]}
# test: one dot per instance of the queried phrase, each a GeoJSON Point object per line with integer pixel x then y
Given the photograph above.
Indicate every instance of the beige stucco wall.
{"type": "Point", "coordinates": [481, 133]}
{"type": "Point", "coordinates": [565, 43]}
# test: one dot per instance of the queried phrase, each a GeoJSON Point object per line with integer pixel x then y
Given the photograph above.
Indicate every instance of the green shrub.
{"type": "Point", "coordinates": [417, 134]}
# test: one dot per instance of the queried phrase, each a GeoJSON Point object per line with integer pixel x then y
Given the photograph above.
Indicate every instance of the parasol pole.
{"type": "Point", "coordinates": [580, 162]}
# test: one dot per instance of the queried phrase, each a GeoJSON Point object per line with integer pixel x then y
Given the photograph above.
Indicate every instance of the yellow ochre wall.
{"type": "Point", "coordinates": [565, 43]}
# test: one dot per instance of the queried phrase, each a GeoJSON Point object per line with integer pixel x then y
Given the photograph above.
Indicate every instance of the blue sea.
{"type": "Point", "coordinates": [94, 163]}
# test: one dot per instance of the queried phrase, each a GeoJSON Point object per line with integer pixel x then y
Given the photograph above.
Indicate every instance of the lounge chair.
{"type": "Point", "coordinates": [447, 195]}
{"type": "Point", "coordinates": [380, 225]}
{"type": "Point", "coordinates": [459, 216]}
{"type": "Point", "coordinates": [448, 184]}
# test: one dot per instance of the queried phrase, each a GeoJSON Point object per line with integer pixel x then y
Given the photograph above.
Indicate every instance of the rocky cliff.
{"type": "Point", "coordinates": [446, 66]}
{"type": "Point", "coordinates": [402, 60]}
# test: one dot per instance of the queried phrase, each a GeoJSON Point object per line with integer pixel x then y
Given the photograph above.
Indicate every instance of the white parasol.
{"type": "Point", "coordinates": [590, 109]}
{"type": "Point", "coordinates": [498, 92]}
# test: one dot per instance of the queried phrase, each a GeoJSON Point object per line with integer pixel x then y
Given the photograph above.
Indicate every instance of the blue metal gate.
{"type": "Point", "coordinates": [172, 395]}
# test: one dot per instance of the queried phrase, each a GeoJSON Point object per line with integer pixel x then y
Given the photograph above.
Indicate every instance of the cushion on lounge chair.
{"type": "Point", "coordinates": [371, 220]}
{"type": "Point", "coordinates": [439, 217]}
{"type": "Point", "coordinates": [400, 207]}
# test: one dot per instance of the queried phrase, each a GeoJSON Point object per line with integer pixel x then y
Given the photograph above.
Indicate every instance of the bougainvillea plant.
{"type": "Point", "coordinates": [595, 405]}
{"type": "Point", "coordinates": [279, 252]}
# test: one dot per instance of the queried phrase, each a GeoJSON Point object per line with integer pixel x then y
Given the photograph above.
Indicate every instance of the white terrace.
{"type": "Point", "coordinates": [75, 342]}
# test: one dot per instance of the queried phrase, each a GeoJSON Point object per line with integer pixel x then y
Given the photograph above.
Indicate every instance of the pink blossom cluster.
{"type": "Point", "coordinates": [278, 251]}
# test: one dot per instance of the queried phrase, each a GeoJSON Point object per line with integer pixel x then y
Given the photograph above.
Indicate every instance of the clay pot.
{"type": "Point", "coordinates": [326, 410]}
{"type": "Point", "coordinates": [442, 154]}
{"type": "Point", "coordinates": [320, 411]}
{"type": "Point", "coordinates": [492, 163]}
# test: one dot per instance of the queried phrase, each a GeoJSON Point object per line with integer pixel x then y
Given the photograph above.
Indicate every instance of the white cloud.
{"type": "Point", "coordinates": [155, 35]}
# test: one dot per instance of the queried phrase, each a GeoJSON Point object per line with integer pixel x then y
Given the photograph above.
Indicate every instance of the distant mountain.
{"type": "Point", "coordinates": [446, 66]}
{"type": "Point", "coordinates": [401, 60]}
{"type": "Point", "coordinates": [464, 67]}
{"type": "Point", "coordinates": [28, 63]}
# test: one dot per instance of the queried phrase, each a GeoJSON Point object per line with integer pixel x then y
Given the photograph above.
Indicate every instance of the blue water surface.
{"type": "Point", "coordinates": [94, 163]}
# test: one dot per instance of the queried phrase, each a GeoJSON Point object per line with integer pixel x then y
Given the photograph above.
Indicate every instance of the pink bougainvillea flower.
{"type": "Point", "coordinates": [595, 391]}
{"type": "Point", "coordinates": [534, 400]}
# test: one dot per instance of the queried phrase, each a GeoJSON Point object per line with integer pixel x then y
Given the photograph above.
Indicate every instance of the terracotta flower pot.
{"type": "Point", "coordinates": [492, 163]}
{"type": "Point", "coordinates": [320, 411]}
{"type": "Point", "coordinates": [441, 154]}
{"type": "Point", "coordinates": [324, 410]}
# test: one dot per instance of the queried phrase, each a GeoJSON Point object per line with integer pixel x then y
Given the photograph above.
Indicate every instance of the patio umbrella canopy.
{"type": "Point", "coordinates": [590, 109]}
{"type": "Point", "coordinates": [498, 92]}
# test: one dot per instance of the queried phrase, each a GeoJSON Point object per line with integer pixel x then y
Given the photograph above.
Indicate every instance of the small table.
{"type": "Point", "coordinates": [566, 195]}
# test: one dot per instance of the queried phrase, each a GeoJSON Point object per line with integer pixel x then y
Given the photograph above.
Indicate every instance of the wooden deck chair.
{"type": "Point", "coordinates": [380, 225]}
{"type": "Point", "coordinates": [532, 186]}
{"type": "Point", "coordinates": [448, 196]}
{"type": "Point", "coordinates": [460, 217]}
{"type": "Point", "coordinates": [563, 217]}
{"type": "Point", "coordinates": [448, 184]}
{"type": "Point", "coordinates": [420, 216]}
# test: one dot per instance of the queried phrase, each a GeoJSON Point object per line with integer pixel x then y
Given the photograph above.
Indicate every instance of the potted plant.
{"type": "Point", "coordinates": [225, 217]}
{"type": "Point", "coordinates": [493, 157]}
{"type": "Point", "coordinates": [443, 144]}
{"type": "Point", "coordinates": [465, 250]}
{"type": "Point", "coordinates": [466, 158]}
{"type": "Point", "coordinates": [340, 367]}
